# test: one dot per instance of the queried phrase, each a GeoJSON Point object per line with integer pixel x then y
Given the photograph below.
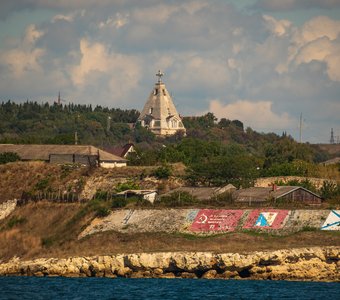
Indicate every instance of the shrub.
{"type": "Point", "coordinates": [7, 157]}
{"type": "Point", "coordinates": [14, 221]}
{"type": "Point", "coordinates": [102, 211]}
{"type": "Point", "coordinates": [129, 185]}
{"type": "Point", "coordinates": [42, 184]}
{"type": "Point", "coordinates": [119, 202]}
{"type": "Point", "coordinates": [163, 172]}
{"type": "Point", "coordinates": [329, 190]}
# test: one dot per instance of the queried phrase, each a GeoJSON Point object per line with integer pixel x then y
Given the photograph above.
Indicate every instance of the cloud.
{"type": "Point", "coordinates": [258, 115]}
{"type": "Point", "coordinates": [318, 40]}
{"type": "Point", "coordinates": [25, 57]}
{"type": "Point", "coordinates": [107, 52]}
{"type": "Point", "coordinates": [289, 5]}
{"type": "Point", "coordinates": [277, 27]}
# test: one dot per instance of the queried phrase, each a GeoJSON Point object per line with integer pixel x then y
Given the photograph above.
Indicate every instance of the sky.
{"type": "Point", "coordinates": [263, 62]}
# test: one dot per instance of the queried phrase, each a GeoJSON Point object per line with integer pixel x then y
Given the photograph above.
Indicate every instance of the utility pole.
{"type": "Point", "coordinates": [76, 138]}
{"type": "Point", "coordinates": [332, 137]}
{"type": "Point", "coordinates": [300, 136]}
{"type": "Point", "coordinates": [108, 125]}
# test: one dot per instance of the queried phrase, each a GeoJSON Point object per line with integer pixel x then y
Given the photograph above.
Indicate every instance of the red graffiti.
{"type": "Point", "coordinates": [216, 220]}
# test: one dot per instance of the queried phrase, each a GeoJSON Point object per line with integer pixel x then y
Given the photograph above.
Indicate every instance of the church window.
{"type": "Point", "coordinates": [157, 123]}
{"type": "Point", "coordinates": [155, 92]}
{"type": "Point", "coordinates": [151, 110]}
{"type": "Point", "coordinates": [164, 93]}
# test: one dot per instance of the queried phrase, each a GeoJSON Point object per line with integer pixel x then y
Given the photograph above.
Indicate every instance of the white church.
{"type": "Point", "coordinates": [159, 114]}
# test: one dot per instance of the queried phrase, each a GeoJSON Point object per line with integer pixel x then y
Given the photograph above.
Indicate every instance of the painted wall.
{"type": "Point", "coordinates": [211, 221]}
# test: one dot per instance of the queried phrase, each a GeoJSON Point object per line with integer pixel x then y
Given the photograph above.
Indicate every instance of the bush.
{"type": "Point", "coordinates": [129, 185]}
{"type": "Point", "coordinates": [119, 202]}
{"type": "Point", "coordinates": [102, 212]}
{"type": "Point", "coordinates": [14, 221]}
{"type": "Point", "coordinates": [162, 172]}
{"type": "Point", "coordinates": [329, 190]}
{"type": "Point", "coordinates": [42, 184]}
{"type": "Point", "coordinates": [7, 157]}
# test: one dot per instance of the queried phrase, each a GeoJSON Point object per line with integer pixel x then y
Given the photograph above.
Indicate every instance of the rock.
{"type": "Point", "coordinates": [211, 274]}
{"type": "Point", "coordinates": [167, 275]}
{"type": "Point", "coordinates": [188, 275]}
{"type": "Point", "coordinates": [294, 264]}
{"type": "Point", "coordinates": [124, 272]}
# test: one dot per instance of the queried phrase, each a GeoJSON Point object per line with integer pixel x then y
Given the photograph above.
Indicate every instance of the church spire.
{"type": "Point", "coordinates": [159, 75]}
{"type": "Point", "coordinates": [159, 114]}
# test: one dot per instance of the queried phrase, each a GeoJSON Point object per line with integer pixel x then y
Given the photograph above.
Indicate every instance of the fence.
{"type": "Point", "coordinates": [50, 196]}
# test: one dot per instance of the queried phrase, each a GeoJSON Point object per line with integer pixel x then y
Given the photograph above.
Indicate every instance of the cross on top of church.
{"type": "Point", "coordinates": [159, 75]}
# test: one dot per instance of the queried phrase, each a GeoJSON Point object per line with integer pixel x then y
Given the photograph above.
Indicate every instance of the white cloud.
{"type": "Point", "coordinates": [25, 57]}
{"type": "Point", "coordinates": [121, 71]}
{"type": "Point", "coordinates": [258, 115]}
{"type": "Point", "coordinates": [318, 40]}
{"type": "Point", "coordinates": [277, 27]}
{"type": "Point", "coordinates": [117, 22]}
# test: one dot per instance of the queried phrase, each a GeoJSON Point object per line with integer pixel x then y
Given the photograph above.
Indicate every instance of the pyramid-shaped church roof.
{"type": "Point", "coordinates": [159, 114]}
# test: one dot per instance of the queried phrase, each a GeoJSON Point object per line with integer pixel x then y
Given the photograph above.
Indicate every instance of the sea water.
{"type": "Point", "coordinates": [123, 288]}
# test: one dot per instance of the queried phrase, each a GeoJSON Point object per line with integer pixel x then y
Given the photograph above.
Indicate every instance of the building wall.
{"type": "Point", "coordinates": [109, 165]}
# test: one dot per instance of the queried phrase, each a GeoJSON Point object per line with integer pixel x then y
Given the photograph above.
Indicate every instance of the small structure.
{"type": "Point", "coordinates": [61, 154]}
{"type": "Point", "coordinates": [203, 193]}
{"type": "Point", "coordinates": [121, 151]}
{"type": "Point", "coordinates": [332, 161]}
{"type": "Point", "coordinates": [149, 195]}
{"type": "Point", "coordinates": [284, 193]}
{"type": "Point", "coordinates": [159, 114]}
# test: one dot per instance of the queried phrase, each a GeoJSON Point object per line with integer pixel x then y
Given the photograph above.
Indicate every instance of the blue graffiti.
{"type": "Point", "coordinates": [337, 223]}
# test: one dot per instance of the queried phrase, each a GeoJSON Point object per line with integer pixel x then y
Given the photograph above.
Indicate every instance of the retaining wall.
{"type": "Point", "coordinates": [212, 221]}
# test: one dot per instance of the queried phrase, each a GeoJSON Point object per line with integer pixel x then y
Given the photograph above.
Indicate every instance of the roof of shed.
{"type": "Point", "coordinates": [263, 193]}
{"type": "Point", "coordinates": [42, 152]}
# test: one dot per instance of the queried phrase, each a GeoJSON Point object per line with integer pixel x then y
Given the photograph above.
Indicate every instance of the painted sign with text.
{"type": "Point", "coordinates": [270, 218]}
{"type": "Point", "coordinates": [216, 220]}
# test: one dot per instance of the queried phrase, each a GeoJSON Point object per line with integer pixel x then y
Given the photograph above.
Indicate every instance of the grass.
{"type": "Point", "coordinates": [15, 221]}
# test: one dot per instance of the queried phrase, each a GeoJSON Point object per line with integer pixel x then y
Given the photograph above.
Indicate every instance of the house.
{"type": "Point", "coordinates": [121, 151]}
{"type": "Point", "coordinates": [159, 114]}
{"type": "Point", "coordinates": [61, 154]}
{"type": "Point", "coordinates": [203, 193]}
{"type": "Point", "coordinates": [285, 193]}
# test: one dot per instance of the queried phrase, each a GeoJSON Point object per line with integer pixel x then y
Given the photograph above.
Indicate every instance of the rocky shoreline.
{"type": "Point", "coordinates": [312, 264]}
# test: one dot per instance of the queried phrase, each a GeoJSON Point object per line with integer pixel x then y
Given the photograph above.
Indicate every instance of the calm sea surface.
{"type": "Point", "coordinates": [105, 288]}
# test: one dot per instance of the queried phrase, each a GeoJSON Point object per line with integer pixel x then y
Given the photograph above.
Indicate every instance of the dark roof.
{"type": "Point", "coordinates": [119, 150]}
{"type": "Point", "coordinates": [42, 152]}
{"type": "Point", "coordinates": [263, 193]}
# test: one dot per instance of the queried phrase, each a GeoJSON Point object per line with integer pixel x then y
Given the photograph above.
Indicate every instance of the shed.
{"type": "Point", "coordinates": [149, 195]}
{"type": "Point", "coordinates": [83, 154]}
{"type": "Point", "coordinates": [286, 193]}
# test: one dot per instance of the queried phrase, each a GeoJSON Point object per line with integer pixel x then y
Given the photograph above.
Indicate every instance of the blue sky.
{"type": "Point", "coordinates": [260, 61]}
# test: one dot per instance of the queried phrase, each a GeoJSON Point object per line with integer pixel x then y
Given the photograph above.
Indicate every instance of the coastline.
{"type": "Point", "coordinates": [301, 264]}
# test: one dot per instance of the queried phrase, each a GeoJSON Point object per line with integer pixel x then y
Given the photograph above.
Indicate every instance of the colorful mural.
{"type": "Point", "coordinates": [270, 218]}
{"type": "Point", "coordinates": [333, 221]}
{"type": "Point", "coordinates": [216, 220]}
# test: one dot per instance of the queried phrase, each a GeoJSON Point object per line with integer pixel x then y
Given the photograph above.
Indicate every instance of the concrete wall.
{"type": "Point", "coordinates": [268, 181]}
{"type": "Point", "coordinates": [212, 221]}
